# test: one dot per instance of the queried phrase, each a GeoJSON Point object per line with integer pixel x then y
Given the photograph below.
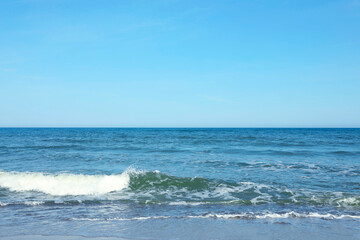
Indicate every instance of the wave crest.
{"type": "Point", "coordinates": [159, 188]}
{"type": "Point", "coordinates": [64, 184]}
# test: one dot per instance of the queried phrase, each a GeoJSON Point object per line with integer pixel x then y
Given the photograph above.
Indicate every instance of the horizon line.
{"type": "Point", "coordinates": [133, 127]}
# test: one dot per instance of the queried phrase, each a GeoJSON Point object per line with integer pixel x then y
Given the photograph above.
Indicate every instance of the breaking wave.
{"type": "Point", "coordinates": [63, 184]}
{"type": "Point", "coordinates": [156, 188]}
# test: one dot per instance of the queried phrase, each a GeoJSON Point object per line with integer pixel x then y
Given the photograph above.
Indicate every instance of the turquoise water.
{"type": "Point", "coordinates": [152, 183]}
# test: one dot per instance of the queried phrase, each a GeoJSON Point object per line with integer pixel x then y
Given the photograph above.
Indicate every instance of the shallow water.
{"type": "Point", "coordinates": [180, 183]}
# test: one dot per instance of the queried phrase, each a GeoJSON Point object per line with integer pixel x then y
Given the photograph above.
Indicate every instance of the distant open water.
{"type": "Point", "coordinates": [69, 179]}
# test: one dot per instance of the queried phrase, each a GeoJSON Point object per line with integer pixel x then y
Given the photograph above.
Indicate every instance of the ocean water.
{"type": "Point", "coordinates": [180, 183]}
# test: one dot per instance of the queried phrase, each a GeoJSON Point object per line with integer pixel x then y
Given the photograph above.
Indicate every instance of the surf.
{"type": "Point", "coordinates": [154, 187]}
{"type": "Point", "coordinates": [64, 183]}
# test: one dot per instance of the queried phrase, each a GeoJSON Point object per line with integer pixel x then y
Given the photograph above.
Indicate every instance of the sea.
{"type": "Point", "coordinates": [179, 183]}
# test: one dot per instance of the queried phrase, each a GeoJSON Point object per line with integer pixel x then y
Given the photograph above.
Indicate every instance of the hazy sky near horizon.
{"type": "Point", "coordinates": [179, 63]}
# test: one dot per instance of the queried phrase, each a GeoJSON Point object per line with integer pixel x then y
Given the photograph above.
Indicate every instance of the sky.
{"type": "Point", "coordinates": [179, 63]}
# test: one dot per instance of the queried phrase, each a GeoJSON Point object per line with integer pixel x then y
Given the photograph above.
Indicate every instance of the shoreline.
{"type": "Point", "coordinates": [58, 237]}
{"type": "Point", "coordinates": [201, 229]}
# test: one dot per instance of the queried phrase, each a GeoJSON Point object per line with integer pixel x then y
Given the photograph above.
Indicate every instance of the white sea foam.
{"type": "Point", "coordinates": [270, 215]}
{"type": "Point", "coordinates": [245, 215]}
{"type": "Point", "coordinates": [184, 203]}
{"type": "Point", "coordinates": [120, 219]}
{"type": "Point", "coordinates": [64, 184]}
{"type": "Point", "coordinates": [34, 203]}
{"type": "Point", "coordinates": [349, 200]}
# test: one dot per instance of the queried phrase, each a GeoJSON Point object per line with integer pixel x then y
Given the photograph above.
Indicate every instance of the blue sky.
{"type": "Point", "coordinates": [179, 63]}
